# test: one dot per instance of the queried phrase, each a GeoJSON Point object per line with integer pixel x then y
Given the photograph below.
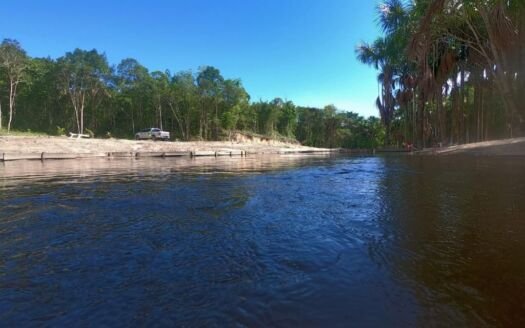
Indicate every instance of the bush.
{"type": "Point", "coordinates": [60, 131]}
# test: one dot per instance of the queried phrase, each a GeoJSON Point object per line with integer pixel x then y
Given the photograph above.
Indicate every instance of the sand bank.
{"type": "Point", "coordinates": [19, 147]}
{"type": "Point", "coordinates": [504, 147]}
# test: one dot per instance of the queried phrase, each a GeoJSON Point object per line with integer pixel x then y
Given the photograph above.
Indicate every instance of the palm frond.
{"type": "Point", "coordinates": [391, 15]}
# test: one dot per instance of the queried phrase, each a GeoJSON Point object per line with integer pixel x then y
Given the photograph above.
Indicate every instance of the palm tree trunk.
{"type": "Point", "coordinates": [441, 114]}
{"type": "Point", "coordinates": [482, 105]}
{"type": "Point", "coordinates": [420, 118]}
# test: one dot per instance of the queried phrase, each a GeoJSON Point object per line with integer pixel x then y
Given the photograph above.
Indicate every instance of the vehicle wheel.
{"type": "Point", "coordinates": [137, 138]}
{"type": "Point", "coordinates": [154, 138]}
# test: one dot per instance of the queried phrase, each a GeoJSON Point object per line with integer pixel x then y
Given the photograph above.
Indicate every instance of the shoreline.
{"type": "Point", "coordinates": [14, 148]}
{"type": "Point", "coordinates": [502, 147]}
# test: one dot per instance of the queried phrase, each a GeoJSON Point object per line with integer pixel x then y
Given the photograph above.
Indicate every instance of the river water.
{"type": "Point", "coordinates": [263, 241]}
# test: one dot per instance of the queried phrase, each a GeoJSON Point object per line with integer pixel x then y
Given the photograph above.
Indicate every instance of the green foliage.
{"type": "Point", "coordinates": [13, 70]}
{"type": "Point", "coordinates": [449, 71]}
{"type": "Point", "coordinates": [27, 133]}
{"type": "Point", "coordinates": [81, 92]}
{"type": "Point", "coordinates": [331, 128]}
{"type": "Point", "coordinates": [83, 77]}
{"type": "Point", "coordinates": [229, 118]}
{"type": "Point", "coordinates": [60, 131]}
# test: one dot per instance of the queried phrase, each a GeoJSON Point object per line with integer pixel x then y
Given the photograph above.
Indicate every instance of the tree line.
{"type": "Point", "coordinates": [82, 92]}
{"type": "Point", "coordinates": [450, 71]}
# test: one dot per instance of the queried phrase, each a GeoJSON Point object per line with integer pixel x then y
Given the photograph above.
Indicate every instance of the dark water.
{"type": "Point", "coordinates": [271, 241]}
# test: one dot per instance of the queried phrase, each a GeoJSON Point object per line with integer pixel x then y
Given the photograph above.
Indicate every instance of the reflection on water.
{"type": "Point", "coordinates": [263, 241]}
{"type": "Point", "coordinates": [87, 170]}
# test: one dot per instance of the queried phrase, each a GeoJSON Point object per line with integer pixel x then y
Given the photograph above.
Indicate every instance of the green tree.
{"type": "Point", "coordinates": [39, 99]}
{"type": "Point", "coordinates": [133, 85]}
{"type": "Point", "coordinates": [385, 54]}
{"type": "Point", "coordinates": [183, 102]}
{"type": "Point", "coordinates": [235, 101]}
{"type": "Point", "coordinates": [82, 75]}
{"type": "Point", "coordinates": [13, 63]}
{"type": "Point", "coordinates": [160, 90]}
{"type": "Point", "coordinates": [288, 119]}
{"type": "Point", "coordinates": [210, 83]}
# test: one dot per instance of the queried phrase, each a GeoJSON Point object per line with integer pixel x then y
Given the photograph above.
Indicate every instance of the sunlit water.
{"type": "Point", "coordinates": [266, 241]}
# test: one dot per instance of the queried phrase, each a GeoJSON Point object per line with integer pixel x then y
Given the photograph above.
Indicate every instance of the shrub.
{"type": "Point", "coordinates": [60, 131]}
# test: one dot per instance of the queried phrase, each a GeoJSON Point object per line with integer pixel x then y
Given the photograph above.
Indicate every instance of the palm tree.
{"type": "Point", "coordinates": [376, 55]}
{"type": "Point", "coordinates": [384, 55]}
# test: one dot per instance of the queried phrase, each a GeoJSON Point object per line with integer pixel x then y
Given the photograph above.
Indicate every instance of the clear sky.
{"type": "Point", "coordinates": [300, 50]}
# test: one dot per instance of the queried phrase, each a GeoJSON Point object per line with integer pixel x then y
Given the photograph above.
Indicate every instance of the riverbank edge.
{"type": "Point", "coordinates": [503, 147]}
{"type": "Point", "coordinates": [5, 157]}
{"type": "Point", "coordinates": [13, 148]}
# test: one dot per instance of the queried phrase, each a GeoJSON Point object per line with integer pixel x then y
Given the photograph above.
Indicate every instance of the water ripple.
{"type": "Point", "coordinates": [271, 241]}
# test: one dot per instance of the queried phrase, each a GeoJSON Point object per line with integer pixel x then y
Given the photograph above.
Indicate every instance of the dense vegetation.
{"type": "Point", "coordinates": [82, 92]}
{"type": "Point", "coordinates": [450, 71]}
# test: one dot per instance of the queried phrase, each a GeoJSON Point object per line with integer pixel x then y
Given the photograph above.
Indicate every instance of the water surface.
{"type": "Point", "coordinates": [264, 241]}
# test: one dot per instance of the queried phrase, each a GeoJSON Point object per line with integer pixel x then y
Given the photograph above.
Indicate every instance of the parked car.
{"type": "Point", "coordinates": [153, 134]}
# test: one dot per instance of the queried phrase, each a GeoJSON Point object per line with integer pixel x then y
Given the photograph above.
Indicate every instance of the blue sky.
{"type": "Point", "coordinates": [300, 50]}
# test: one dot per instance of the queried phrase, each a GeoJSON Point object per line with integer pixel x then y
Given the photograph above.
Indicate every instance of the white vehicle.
{"type": "Point", "coordinates": [153, 134]}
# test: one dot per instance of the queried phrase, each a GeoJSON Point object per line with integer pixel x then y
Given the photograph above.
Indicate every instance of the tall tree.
{"type": "Point", "coordinates": [161, 81]}
{"type": "Point", "coordinates": [210, 83]}
{"type": "Point", "coordinates": [82, 76]}
{"type": "Point", "coordinates": [235, 101]}
{"type": "Point", "coordinates": [288, 119]}
{"type": "Point", "coordinates": [133, 86]}
{"type": "Point", "coordinates": [183, 102]}
{"type": "Point", "coordinates": [14, 62]}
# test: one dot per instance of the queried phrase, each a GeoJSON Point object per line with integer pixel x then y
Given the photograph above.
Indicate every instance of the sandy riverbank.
{"type": "Point", "coordinates": [19, 144]}
{"type": "Point", "coordinates": [63, 145]}
{"type": "Point", "coordinates": [505, 147]}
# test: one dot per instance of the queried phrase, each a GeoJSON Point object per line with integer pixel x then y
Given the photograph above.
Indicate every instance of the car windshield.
{"type": "Point", "coordinates": [155, 130]}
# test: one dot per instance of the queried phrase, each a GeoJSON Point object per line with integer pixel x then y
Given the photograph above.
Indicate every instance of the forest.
{"type": "Point", "coordinates": [82, 92]}
{"type": "Point", "coordinates": [450, 71]}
